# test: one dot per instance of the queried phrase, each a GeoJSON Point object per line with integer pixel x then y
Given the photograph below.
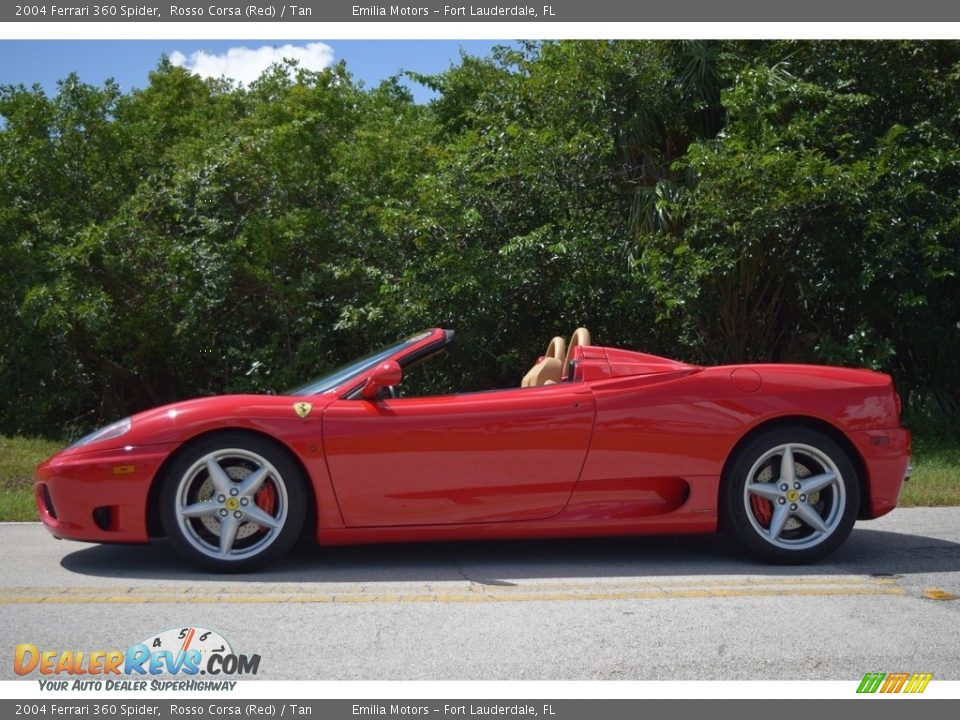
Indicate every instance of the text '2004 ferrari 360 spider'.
{"type": "Point", "coordinates": [595, 441]}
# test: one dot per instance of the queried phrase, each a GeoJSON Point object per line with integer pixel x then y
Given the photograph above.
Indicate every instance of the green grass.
{"type": "Point", "coordinates": [935, 482]}
{"type": "Point", "coordinates": [936, 475]}
{"type": "Point", "coordinates": [18, 457]}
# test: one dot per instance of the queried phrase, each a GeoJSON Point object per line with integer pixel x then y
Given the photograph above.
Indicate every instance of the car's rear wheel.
{"type": "Point", "coordinates": [233, 502]}
{"type": "Point", "coordinates": [790, 496]}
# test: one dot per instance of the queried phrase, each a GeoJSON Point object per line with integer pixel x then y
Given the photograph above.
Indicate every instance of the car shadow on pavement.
{"type": "Point", "coordinates": [866, 552]}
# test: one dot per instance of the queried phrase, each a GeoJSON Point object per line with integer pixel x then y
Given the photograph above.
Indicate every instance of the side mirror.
{"type": "Point", "coordinates": [384, 375]}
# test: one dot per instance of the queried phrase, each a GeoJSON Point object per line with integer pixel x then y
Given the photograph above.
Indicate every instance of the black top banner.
{"type": "Point", "coordinates": [579, 11]}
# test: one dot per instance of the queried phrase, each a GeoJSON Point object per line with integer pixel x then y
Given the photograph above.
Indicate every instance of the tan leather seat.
{"type": "Point", "coordinates": [543, 373]}
{"type": "Point", "coordinates": [549, 369]}
{"type": "Point", "coordinates": [581, 336]}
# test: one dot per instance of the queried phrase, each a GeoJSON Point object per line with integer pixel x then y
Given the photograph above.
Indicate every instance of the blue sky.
{"type": "Point", "coordinates": [129, 61]}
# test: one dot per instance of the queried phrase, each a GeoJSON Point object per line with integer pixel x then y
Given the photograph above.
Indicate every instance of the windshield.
{"type": "Point", "coordinates": [343, 373]}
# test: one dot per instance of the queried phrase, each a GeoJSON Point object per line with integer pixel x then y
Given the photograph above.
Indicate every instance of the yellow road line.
{"type": "Point", "coordinates": [285, 589]}
{"type": "Point", "coordinates": [481, 596]}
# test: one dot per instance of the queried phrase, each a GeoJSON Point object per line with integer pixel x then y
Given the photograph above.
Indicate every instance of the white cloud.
{"type": "Point", "coordinates": [247, 64]}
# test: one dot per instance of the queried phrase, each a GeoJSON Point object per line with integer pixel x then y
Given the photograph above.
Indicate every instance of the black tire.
{"type": "Point", "coordinates": [192, 485]}
{"type": "Point", "coordinates": [775, 524]}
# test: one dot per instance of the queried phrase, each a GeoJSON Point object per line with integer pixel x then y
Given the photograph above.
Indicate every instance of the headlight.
{"type": "Point", "coordinates": [105, 433]}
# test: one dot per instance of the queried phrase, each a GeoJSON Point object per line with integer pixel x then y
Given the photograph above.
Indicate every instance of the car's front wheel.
{"type": "Point", "coordinates": [233, 502]}
{"type": "Point", "coordinates": [790, 496]}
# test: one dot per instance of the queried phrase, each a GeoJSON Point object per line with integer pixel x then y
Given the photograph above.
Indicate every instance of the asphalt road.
{"type": "Point", "coordinates": [621, 609]}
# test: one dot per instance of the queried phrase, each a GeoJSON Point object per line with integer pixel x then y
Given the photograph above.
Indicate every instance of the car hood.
{"type": "Point", "coordinates": [179, 421]}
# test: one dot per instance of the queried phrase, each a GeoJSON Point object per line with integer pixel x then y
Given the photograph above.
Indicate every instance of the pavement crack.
{"type": "Point", "coordinates": [470, 581]}
{"type": "Point", "coordinates": [481, 583]}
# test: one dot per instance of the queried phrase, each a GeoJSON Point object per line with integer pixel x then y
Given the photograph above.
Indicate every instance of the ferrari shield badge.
{"type": "Point", "coordinates": [302, 408]}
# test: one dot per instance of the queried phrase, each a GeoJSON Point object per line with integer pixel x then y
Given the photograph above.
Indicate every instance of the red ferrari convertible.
{"type": "Point", "coordinates": [595, 441]}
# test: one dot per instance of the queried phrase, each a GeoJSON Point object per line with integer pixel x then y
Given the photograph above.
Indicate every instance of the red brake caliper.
{"type": "Point", "coordinates": [762, 510]}
{"type": "Point", "coordinates": [266, 500]}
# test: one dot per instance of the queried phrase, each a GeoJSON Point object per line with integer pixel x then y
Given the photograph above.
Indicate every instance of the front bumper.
{"type": "Point", "coordinates": [98, 496]}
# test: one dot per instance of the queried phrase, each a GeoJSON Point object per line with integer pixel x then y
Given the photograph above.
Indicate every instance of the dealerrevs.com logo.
{"type": "Point", "coordinates": [898, 682]}
{"type": "Point", "coordinates": [185, 651]}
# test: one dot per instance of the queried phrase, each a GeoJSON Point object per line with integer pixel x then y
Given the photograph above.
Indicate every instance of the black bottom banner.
{"type": "Point", "coordinates": [786, 709]}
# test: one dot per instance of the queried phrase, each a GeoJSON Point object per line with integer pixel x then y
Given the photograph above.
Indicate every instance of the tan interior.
{"type": "Point", "coordinates": [556, 348]}
{"type": "Point", "coordinates": [581, 336]}
{"type": "Point", "coordinates": [555, 365]}
{"type": "Point", "coordinates": [547, 370]}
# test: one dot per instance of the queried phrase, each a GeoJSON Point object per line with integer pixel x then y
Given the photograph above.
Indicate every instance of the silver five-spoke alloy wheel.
{"type": "Point", "coordinates": [233, 501]}
{"type": "Point", "coordinates": [790, 494]}
{"type": "Point", "coordinates": [217, 504]}
{"type": "Point", "coordinates": [794, 496]}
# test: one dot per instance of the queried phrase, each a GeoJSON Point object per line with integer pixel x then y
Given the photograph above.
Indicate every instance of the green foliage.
{"type": "Point", "coordinates": [716, 201]}
{"type": "Point", "coordinates": [821, 223]}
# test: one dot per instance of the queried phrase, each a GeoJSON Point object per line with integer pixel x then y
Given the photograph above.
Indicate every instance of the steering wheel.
{"type": "Point", "coordinates": [581, 336]}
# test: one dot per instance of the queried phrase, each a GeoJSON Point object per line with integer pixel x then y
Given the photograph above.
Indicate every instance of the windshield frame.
{"type": "Point", "coordinates": [346, 375]}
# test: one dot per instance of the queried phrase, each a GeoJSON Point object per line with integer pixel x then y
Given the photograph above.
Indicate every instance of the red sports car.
{"type": "Point", "coordinates": [595, 441]}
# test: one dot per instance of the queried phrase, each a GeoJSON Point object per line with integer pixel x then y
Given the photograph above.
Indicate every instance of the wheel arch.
{"type": "Point", "coordinates": [811, 423]}
{"type": "Point", "coordinates": [154, 524]}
